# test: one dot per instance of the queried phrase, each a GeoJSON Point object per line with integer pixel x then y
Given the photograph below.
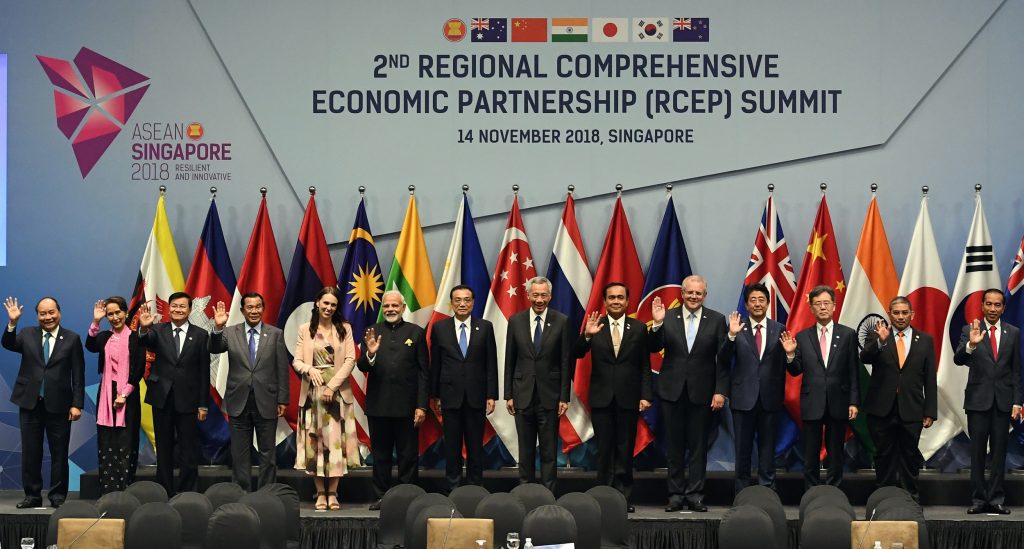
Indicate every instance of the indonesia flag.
{"type": "Point", "coordinates": [211, 280]}
{"type": "Point", "coordinates": [571, 284]}
{"type": "Point", "coordinates": [507, 297]}
{"type": "Point", "coordinates": [978, 272]}
{"type": "Point", "coordinates": [925, 286]}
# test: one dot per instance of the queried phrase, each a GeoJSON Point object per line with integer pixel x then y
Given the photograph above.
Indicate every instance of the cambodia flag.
{"type": "Point", "coordinates": [212, 280]}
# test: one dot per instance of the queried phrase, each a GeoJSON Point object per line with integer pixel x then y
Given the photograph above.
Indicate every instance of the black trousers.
{"type": "Point", "coordinates": [387, 435]}
{"type": "Point", "coordinates": [990, 427]}
{"type": "Point", "coordinates": [835, 438]}
{"type": "Point", "coordinates": [463, 425]}
{"type": "Point", "coordinates": [897, 458]}
{"type": "Point", "coordinates": [615, 431]}
{"type": "Point", "coordinates": [537, 426]}
{"type": "Point", "coordinates": [746, 424]}
{"type": "Point", "coordinates": [34, 423]}
{"type": "Point", "coordinates": [242, 428]}
{"type": "Point", "coordinates": [176, 432]}
{"type": "Point", "coordinates": [687, 426]}
{"type": "Point", "coordinates": [118, 457]}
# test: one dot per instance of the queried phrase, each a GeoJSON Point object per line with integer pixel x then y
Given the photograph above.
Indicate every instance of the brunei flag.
{"type": "Point", "coordinates": [573, 29]}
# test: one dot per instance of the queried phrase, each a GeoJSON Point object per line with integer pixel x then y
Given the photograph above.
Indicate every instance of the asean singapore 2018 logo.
{"type": "Point", "coordinates": [93, 98]}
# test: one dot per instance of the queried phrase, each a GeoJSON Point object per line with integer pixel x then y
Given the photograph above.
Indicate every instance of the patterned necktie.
{"type": "Point", "coordinates": [757, 340]}
{"type": "Point", "coordinates": [616, 337]}
{"type": "Point", "coordinates": [823, 344]}
{"type": "Point", "coordinates": [691, 330]}
{"type": "Point", "coordinates": [992, 341]}
{"type": "Point", "coordinates": [536, 335]}
{"type": "Point", "coordinates": [177, 342]}
{"type": "Point", "coordinates": [252, 346]}
{"type": "Point", "coordinates": [901, 349]}
{"type": "Point", "coordinates": [463, 339]}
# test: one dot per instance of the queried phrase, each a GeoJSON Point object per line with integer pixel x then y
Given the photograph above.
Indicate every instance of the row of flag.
{"type": "Point", "coordinates": [579, 29]}
{"type": "Point", "coordinates": [860, 299]}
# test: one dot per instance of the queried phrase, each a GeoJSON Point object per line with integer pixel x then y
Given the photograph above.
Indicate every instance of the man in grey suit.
{"type": "Point", "coordinates": [257, 387]}
{"type": "Point", "coordinates": [991, 349]}
{"type": "Point", "coordinates": [538, 346]}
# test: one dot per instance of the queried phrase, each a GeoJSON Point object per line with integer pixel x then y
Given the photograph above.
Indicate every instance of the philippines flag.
{"type": "Point", "coordinates": [571, 284]}
{"type": "Point", "coordinates": [211, 280]}
{"type": "Point", "coordinates": [360, 277]}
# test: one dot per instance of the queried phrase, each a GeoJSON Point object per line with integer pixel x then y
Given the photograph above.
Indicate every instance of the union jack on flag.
{"type": "Point", "coordinates": [770, 265]}
{"type": "Point", "coordinates": [682, 23]}
{"type": "Point", "coordinates": [480, 24]}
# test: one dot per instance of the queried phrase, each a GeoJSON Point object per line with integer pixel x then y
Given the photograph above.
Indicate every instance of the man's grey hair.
{"type": "Point", "coordinates": [395, 293]}
{"type": "Point", "coordinates": [538, 280]}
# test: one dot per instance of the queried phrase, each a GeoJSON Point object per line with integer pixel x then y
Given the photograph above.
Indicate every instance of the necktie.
{"type": "Point", "coordinates": [536, 335]}
{"type": "Point", "coordinates": [757, 340]}
{"type": "Point", "coordinates": [46, 358]}
{"type": "Point", "coordinates": [463, 340]}
{"type": "Point", "coordinates": [691, 330]}
{"type": "Point", "coordinates": [823, 344]}
{"type": "Point", "coordinates": [252, 346]}
{"type": "Point", "coordinates": [901, 349]}
{"type": "Point", "coordinates": [177, 342]}
{"type": "Point", "coordinates": [992, 341]}
{"type": "Point", "coordinates": [616, 337]}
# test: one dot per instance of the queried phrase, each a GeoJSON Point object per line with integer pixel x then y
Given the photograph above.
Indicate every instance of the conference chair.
{"type": "Point", "coordinates": [147, 491]}
{"type": "Point", "coordinates": [768, 501]}
{"type": "Point", "coordinates": [614, 518]}
{"type": "Point", "coordinates": [273, 532]}
{"type": "Point", "coordinates": [884, 493]}
{"type": "Point", "coordinates": [155, 525]}
{"type": "Point", "coordinates": [549, 525]}
{"type": "Point", "coordinates": [826, 528]}
{"type": "Point", "coordinates": [290, 499]}
{"type": "Point", "coordinates": [467, 497]}
{"type": "Point", "coordinates": [118, 505]}
{"type": "Point", "coordinates": [195, 510]}
{"type": "Point", "coordinates": [744, 527]}
{"type": "Point", "coordinates": [72, 508]}
{"type": "Point", "coordinates": [233, 526]}
{"type": "Point", "coordinates": [533, 495]}
{"type": "Point", "coordinates": [224, 492]}
{"type": "Point", "coordinates": [416, 533]}
{"type": "Point", "coordinates": [420, 503]}
{"type": "Point", "coordinates": [587, 513]}
{"type": "Point", "coordinates": [393, 508]}
{"type": "Point", "coordinates": [823, 490]}
{"type": "Point", "coordinates": [507, 512]}
{"type": "Point", "coordinates": [904, 513]}
{"type": "Point", "coordinates": [755, 492]}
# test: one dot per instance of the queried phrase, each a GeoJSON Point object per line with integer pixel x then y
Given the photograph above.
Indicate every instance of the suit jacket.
{"type": "Point", "coordinates": [136, 367]}
{"type": "Point", "coordinates": [626, 377]}
{"type": "Point", "coordinates": [400, 373]}
{"type": "Point", "coordinates": [991, 382]}
{"type": "Point", "coordinates": [699, 373]}
{"type": "Point", "coordinates": [546, 372]}
{"type": "Point", "coordinates": [838, 386]}
{"type": "Point", "coordinates": [458, 380]}
{"type": "Point", "coordinates": [913, 387]}
{"type": "Point", "coordinates": [64, 372]}
{"type": "Point", "coordinates": [756, 377]}
{"type": "Point", "coordinates": [188, 374]}
{"type": "Point", "coordinates": [268, 377]}
{"type": "Point", "coordinates": [344, 362]}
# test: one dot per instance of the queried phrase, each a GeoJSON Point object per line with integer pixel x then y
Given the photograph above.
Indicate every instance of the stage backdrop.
{"type": "Point", "coordinates": [108, 101]}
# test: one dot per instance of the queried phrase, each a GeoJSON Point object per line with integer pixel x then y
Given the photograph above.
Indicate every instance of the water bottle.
{"type": "Point", "coordinates": [529, 544]}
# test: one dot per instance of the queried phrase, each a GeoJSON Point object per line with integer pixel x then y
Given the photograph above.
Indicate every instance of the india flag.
{"type": "Point", "coordinates": [569, 29]}
{"type": "Point", "coordinates": [410, 272]}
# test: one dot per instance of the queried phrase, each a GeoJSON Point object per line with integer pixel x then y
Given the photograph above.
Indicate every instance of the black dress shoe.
{"type": "Point", "coordinates": [999, 508]}
{"type": "Point", "coordinates": [56, 503]}
{"type": "Point", "coordinates": [29, 502]}
{"type": "Point", "coordinates": [976, 509]}
{"type": "Point", "coordinates": [673, 507]}
{"type": "Point", "coordinates": [697, 506]}
{"type": "Point", "coordinates": [630, 509]}
{"type": "Point", "coordinates": [375, 506]}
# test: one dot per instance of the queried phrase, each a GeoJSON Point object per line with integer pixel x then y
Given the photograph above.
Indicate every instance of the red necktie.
{"type": "Point", "coordinates": [757, 339]}
{"type": "Point", "coordinates": [992, 341]}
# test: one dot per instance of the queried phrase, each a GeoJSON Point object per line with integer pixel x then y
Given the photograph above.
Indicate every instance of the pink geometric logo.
{"type": "Point", "coordinates": [93, 98]}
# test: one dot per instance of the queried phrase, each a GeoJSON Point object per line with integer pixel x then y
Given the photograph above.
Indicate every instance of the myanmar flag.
{"type": "Point", "coordinates": [569, 29]}
{"type": "Point", "coordinates": [410, 272]}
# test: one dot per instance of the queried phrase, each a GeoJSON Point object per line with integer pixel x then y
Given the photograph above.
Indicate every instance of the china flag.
{"type": "Point", "coordinates": [530, 29]}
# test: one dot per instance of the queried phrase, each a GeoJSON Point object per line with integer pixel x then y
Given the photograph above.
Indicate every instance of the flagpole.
{"type": "Point", "coordinates": [213, 193]}
{"type": "Point", "coordinates": [771, 188]}
{"type": "Point", "coordinates": [515, 190]}
{"type": "Point", "coordinates": [163, 190]}
{"type": "Point", "coordinates": [572, 189]}
{"type": "Point", "coordinates": [312, 190]}
{"type": "Point", "coordinates": [618, 190]}
{"type": "Point", "coordinates": [924, 191]}
{"type": "Point", "coordinates": [874, 189]}
{"type": "Point", "coordinates": [412, 190]}
{"type": "Point", "coordinates": [263, 192]}
{"type": "Point", "coordinates": [823, 186]}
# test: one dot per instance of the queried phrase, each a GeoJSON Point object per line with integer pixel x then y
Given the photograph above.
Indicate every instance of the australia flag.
{"type": "Point", "coordinates": [488, 29]}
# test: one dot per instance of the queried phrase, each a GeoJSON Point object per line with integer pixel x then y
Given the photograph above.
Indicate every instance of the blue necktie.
{"type": "Point", "coordinates": [46, 358]}
{"type": "Point", "coordinates": [536, 336]}
{"type": "Point", "coordinates": [463, 340]}
{"type": "Point", "coordinates": [691, 330]}
{"type": "Point", "coordinates": [252, 346]}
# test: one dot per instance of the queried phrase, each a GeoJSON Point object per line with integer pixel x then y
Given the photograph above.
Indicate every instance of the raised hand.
{"type": "Point", "coordinates": [145, 317]}
{"type": "Point", "coordinates": [99, 310]}
{"type": "Point", "coordinates": [882, 329]}
{"type": "Point", "coordinates": [220, 315]}
{"type": "Point", "coordinates": [788, 342]}
{"type": "Point", "coordinates": [13, 309]}
{"type": "Point", "coordinates": [735, 324]}
{"type": "Point", "coordinates": [593, 326]}
{"type": "Point", "coordinates": [371, 341]}
{"type": "Point", "coordinates": [657, 310]}
{"type": "Point", "coordinates": [975, 336]}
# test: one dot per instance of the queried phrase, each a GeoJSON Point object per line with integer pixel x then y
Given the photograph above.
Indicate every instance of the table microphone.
{"type": "Point", "coordinates": [94, 523]}
{"type": "Point", "coordinates": [444, 542]}
{"type": "Point", "coordinates": [862, 536]}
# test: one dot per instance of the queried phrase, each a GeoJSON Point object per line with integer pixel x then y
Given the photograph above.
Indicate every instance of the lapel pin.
{"type": "Point", "coordinates": [679, 316]}
{"type": "Point", "coordinates": [548, 324]}
{"type": "Point", "coordinates": [408, 343]}
{"type": "Point", "coordinates": [476, 328]}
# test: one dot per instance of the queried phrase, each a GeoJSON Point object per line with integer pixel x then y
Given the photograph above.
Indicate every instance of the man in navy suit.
{"type": "Point", "coordinates": [758, 387]}
{"type": "Point", "coordinates": [464, 378]}
{"type": "Point", "coordinates": [538, 348]}
{"type": "Point", "coordinates": [693, 384]}
{"type": "Point", "coordinates": [620, 385]}
{"type": "Point", "coordinates": [992, 397]}
{"type": "Point", "coordinates": [178, 389]}
{"type": "Point", "coordinates": [826, 355]}
{"type": "Point", "coordinates": [49, 393]}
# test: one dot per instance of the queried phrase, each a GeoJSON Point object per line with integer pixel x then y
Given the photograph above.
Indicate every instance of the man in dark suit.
{"type": "Point", "coordinates": [826, 355]}
{"type": "Point", "coordinates": [901, 397]}
{"type": "Point", "coordinates": [538, 348]}
{"type": "Point", "coordinates": [464, 372]}
{"type": "Point", "coordinates": [620, 385]}
{"type": "Point", "coordinates": [49, 393]}
{"type": "Point", "coordinates": [758, 388]}
{"type": "Point", "coordinates": [693, 384]}
{"type": "Point", "coordinates": [394, 353]}
{"type": "Point", "coordinates": [257, 386]}
{"type": "Point", "coordinates": [992, 397]}
{"type": "Point", "coordinates": [178, 389]}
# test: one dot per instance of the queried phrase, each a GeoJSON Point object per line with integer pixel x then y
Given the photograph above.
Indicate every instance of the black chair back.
{"type": "Point", "coordinates": [745, 527]}
{"type": "Point", "coordinates": [416, 535]}
{"type": "Point", "coordinates": [549, 525]}
{"type": "Point", "coordinates": [507, 512]}
{"type": "Point", "coordinates": [195, 510]}
{"type": "Point", "coordinates": [290, 498]}
{"type": "Point", "coordinates": [118, 505]}
{"type": "Point", "coordinates": [393, 508]}
{"type": "Point", "coordinates": [147, 491]}
{"type": "Point", "coordinates": [533, 496]}
{"type": "Point", "coordinates": [224, 492]}
{"type": "Point", "coordinates": [467, 497]}
{"type": "Point", "coordinates": [421, 503]}
{"type": "Point", "coordinates": [155, 525]}
{"type": "Point", "coordinates": [273, 532]}
{"type": "Point", "coordinates": [233, 526]}
{"type": "Point", "coordinates": [72, 508]}
{"type": "Point", "coordinates": [614, 516]}
{"type": "Point", "coordinates": [826, 528]}
{"type": "Point", "coordinates": [587, 513]}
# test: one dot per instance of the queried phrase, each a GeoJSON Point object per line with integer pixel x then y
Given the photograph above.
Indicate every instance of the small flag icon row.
{"type": "Point", "coordinates": [579, 29]}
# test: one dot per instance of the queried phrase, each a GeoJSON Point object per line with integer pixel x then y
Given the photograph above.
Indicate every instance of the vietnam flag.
{"type": "Point", "coordinates": [529, 29]}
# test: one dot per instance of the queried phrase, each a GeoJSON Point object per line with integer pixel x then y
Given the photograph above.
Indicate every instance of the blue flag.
{"type": "Point", "coordinates": [1014, 313]}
